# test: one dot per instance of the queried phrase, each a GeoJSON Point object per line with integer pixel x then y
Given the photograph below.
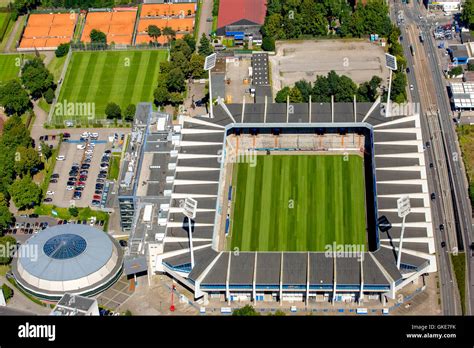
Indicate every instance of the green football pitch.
{"type": "Point", "coordinates": [9, 66]}
{"type": "Point", "coordinates": [298, 203]}
{"type": "Point", "coordinates": [122, 77]}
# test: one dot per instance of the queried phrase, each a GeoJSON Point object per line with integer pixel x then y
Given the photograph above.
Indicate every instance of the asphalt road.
{"type": "Point", "coordinates": [205, 27]}
{"type": "Point", "coordinates": [439, 206]}
{"type": "Point", "coordinates": [458, 190]}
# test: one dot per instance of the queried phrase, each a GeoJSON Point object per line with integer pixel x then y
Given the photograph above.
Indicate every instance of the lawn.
{"type": "Point", "coordinates": [9, 66]}
{"type": "Point", "coordinates": [114, 167]}
{"type": "Point", "coordinates": [459, 265]}
{"type": "Point", "coordinates": [56, 65]}
{"type": "Point", "coordinates": [4, 22]}
{"type": "Point", "coordinates": [298, 203]}
{"type": "Point", "coordinates": [466, 141]}
{"type": "Point", "coordinates": [102, 77]}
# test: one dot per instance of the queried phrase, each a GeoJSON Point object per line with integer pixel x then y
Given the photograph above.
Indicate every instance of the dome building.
{"type": "Point", "coordinates": [72, 258]}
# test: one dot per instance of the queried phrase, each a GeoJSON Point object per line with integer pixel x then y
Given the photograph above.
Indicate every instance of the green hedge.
{"type": "Point", "coordinates": [4, 27]}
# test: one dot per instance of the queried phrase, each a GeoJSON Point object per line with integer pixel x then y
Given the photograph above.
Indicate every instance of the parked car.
{"type": "Point", "coordinates": [443, 244]}
{"type": "Point", "coordinates": [60, 158]}
{"type": "Point", "coordinates": [102, 176]}
{"type": "Point", "coordinates": [95, 203]}
{"type": "Point", "coordinates": [97, 197]}
{"type": "Point", "coordinates": [70, 187]}
{"type": "Point", "coordinates": [48, 200]}
{"type": "Point", "coordinates": [66, 135]}
{"type": "Point", "coordinates": [50, 193]}
{"type": "Point", "coordinates": [441, 227]}
{"type": "Point", "coordinates": [81, 147]}
{"type": "Point", "coordinates": [33, 216]}
{"type": "Point", "coordinates": [55, 175]}
{"type": "Point", "coordinates": [98, 192]}
{"type": "Point", "coordinates": [433, 196]}
{"type": "Point", "coordinates": [53, 181]}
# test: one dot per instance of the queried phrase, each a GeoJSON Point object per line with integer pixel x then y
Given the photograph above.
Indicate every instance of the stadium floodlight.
{"type": "Point", "coordinates": [209, 64]}
{"type": "Point", "coordinates": [391, 64]}
{"type": "Point", "coordinates": [404, 208]}
{"type": "Point", "coordinates": [189, 210]}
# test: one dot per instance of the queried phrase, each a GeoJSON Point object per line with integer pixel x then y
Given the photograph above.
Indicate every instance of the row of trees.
{"type": "Point", "coordinates": [184, 64]}
{"type": "Point", "coordinates": [341, 87]}
{"type": "Point", "coordinates": [18, 162]}
{"type": "Point", "coordinates": [114, 112]}
{"type": "Point", "coordinates": [35, 82]}
{"type": "Point", "coordinates": [292, 19]}
{"type": "Point", "coordinates": [20, 7]}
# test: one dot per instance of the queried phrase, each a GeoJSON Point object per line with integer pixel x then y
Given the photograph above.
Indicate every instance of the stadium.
{"type": "Point", "coordinates": [291, 200]}
{"type": "Point", "coordinates": [68, 258]}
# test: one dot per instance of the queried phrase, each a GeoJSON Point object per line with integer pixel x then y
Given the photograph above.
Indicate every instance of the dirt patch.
{"type": "Point", "coordinates": [296, 60]}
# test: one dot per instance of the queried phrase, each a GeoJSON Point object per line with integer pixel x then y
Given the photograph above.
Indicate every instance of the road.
{"type": "Point", "coordinates": [455, 204]}
{"type": "Point", "coordinates": [421, 95]}
{"type": "Point", "coordinates": [205, 27]}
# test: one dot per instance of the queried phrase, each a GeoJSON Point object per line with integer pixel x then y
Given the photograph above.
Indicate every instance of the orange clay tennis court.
{"type": "Point", "coordinates": [179, 17]}
{"type": "Point", "coordinates": [47, 31]}
{"type": "Point", "coordinates": [117, 25]}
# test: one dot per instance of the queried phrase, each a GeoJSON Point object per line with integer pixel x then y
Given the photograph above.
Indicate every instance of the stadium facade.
{"type": "Point", "coordinates": [71, 258]}
{"type": "Point", "coordinates": [191, 159]}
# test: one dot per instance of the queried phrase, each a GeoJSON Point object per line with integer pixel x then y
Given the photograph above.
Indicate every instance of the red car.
{"type": "Point", "coordinates": [97, 197]}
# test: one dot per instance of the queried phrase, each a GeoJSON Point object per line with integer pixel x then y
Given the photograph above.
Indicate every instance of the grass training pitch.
{"type": "Point", "coordinates": [103, 77]}
{"type": "Point", "coordinates": [9, 67]}
{"type": "Point", "coordinates": [298, 203]}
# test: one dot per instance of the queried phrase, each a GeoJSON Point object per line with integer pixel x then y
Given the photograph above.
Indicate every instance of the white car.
{"type": "Point", "coordinates": [60, 158]}
{"type": "Point", "coordinates": [412, 88]}
{"type": "Point", "coordinates": [69, 188]}
{"type": "Point", "coordinates": [94, 135]}
{"type": "Point", "coordinates": [81, 147]}
{"type": "Point", "coordinates": [89, 152]}
{"type": "Point", "coordinates": [69, 124]}
{"type": "Point", "coordinates": [50, 193]}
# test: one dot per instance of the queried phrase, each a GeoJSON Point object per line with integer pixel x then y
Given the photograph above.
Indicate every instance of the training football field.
{"type": "Point", "coordinates": [122, 77]}
{"type": "Point", "coordinates": [298, 203]}
{"type": "Point", "coordinates": [9, 66]}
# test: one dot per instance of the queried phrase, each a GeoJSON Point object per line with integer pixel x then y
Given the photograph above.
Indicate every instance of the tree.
{"type": "Point", "coordinates": [7, 292]}
{"type": "Point", "coordinates": [25, 193]}
{"type": "Point", "coordinates": [62, 50]}
{"type": "Point", "coordinates": [368, 91]}
{"type": "Point", "coordinates": [6, 217]}
{"type": "Point", "coordinates": [169, 33]}
{"type": "Point", "coordinates": [14, 98]}
{"type": "Point", "coordinates": [456, 71]}
{"type": "Point", "coordinates": [154, 32]}
{"type": "Point", "coordinates": [73, 211]}
{"type": "Point", "coordinates": [295, 95]}
{"type": "Point", "coordinates": [98, 38]}
{"type": "Point", "coordinates": [305, 88]}
{"type": "Point", "coordinates": [278, 313]}
{"type": "Point", "coordinates": [46, 150]}
{"type": "Point", "coordinates": [36, 78]}
{"type": "Point", "coordinates": [282, 95]}
{"type": "Point", "coordinates": [183, 47]}
{"type": "Point", "coordinates": [205, 47]}
{"type": "Point", "coordinates": [196, 66]}
{"type": "Point", "coordinates": [399, 84]}
{"type": "Point", "coordinates": [49, 95]}
{"type": "Point", "coordinates": [27, 160]}
{"type": "Point", "coordinates": [189, 39]}
{"type": "Point", "coordinates": [467, 15]}
{"type": "Point", "coordinates": [175, 82]}
{"type": "Point", "coordinates": [113, 111]}
{"type": "Point", "coordinates": [247, 311]}
{"type": "Point", "coordinates": [268, 43]}
{"type": "Point", "coordinates": [176, 98]}
{"type": "Point", "coordinates": [161, 95]}
{"type": "Point", "coordinates": [129, 113]}
{"type": "Point", "coordinates": [470, 66]}
{"type": "Point", "coordinates": [15, 134]}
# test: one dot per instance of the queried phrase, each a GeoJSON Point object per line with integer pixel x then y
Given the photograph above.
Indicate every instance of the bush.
{"type": "Point", "coordinates": [7, 292]}
{"type": "Point", "coordinates": [268, 44]}
{"type": "Point", "coordinates": [49, 95]}
{"type": "Point", "coordinates": [113, 111]}
{"type": "Point", "coordinates": [62, 50]}
{"type": "Point", "coordinates": [73, 211]}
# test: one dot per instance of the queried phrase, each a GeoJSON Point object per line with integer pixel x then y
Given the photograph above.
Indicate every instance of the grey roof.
{"type": "Point", "coordinates": [218, 273]}
{"type": "Point", "coordinates": [372, 274]}
{"type": "Point", "coordinates": [321, 269]}
{"type": "Point", "coordinates": [387, 259]}
{"type": "Point", "coordinates": [268, 268]}
{"type": "Point", "coordinates": [241, 268]}
{"type": "Point", "coordinates": [97, 253]}
{"type": "Point", "coordinates": [295, 268]}
{"type": "Point", "coordinates": [135, 264]}
{"type": "Point", "coordinates": [76, 302]}
{"type": "Point", "coordinates": [348, 270]}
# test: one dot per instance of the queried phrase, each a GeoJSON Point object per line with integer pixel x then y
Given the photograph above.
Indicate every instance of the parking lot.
{"type": "Point", "coordinates": [81, 165]}
{"type": "Point", "coordinates": [359, 60]}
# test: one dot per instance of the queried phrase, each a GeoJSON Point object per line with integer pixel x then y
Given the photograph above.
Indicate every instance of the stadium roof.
{"type": "Point", "coordinates": [232, 11]}
{"type": "Point", "coordinates": [400, 170]}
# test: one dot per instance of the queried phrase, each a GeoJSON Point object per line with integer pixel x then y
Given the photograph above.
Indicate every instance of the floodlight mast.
{"type": "Point", "coordinates": [391, 64]}
{"type": "Point", "coordinates": [209, 64]}
{"type": "Point", "coordinates": [404, 209]}
{"type": "Point", "coordinates": [189, 210]}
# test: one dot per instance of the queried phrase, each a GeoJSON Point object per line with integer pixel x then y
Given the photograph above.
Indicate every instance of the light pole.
{"type": "Point", "coordinates": [189, 210]}
{"type": "Point", "coordinates": [404, 208]}
{"type": "Point", "coordinates": [209, 63]}
{"type": "Point", "coordinates": [391, 64]}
